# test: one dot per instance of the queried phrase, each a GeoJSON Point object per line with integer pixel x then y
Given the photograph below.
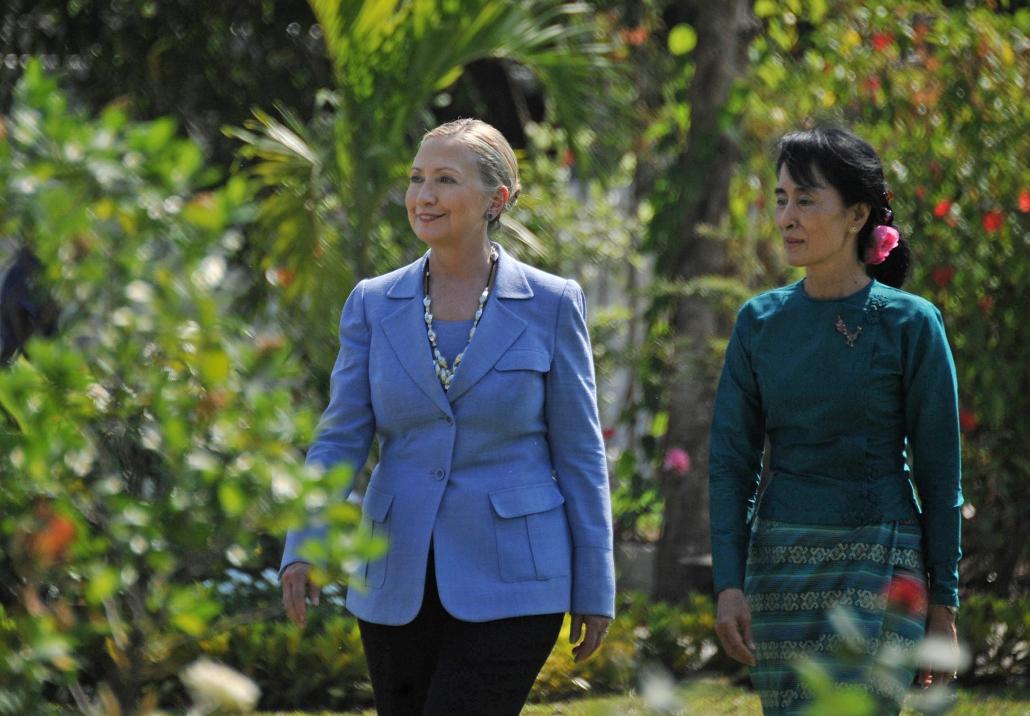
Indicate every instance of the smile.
{"type": "Point", "coordinates": [427, 217]}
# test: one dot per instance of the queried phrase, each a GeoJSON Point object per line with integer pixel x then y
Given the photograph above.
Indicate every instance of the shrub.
{"type": "Point", "coordinates": [146, 448]}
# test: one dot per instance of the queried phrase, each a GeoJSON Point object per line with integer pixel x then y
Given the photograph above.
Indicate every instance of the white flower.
{"type": "Point", "coordinates": [658, 690]}
{"type": "Point", "coordinates": [236, 555]}
{"type": "Point", "coordinates": [941, 654]}
{"type": "Point", "coordinates": [80, 461]}
{"type": "Point", "coordinates": [215, 686]}
{"type": "Point", "coordinates": [99, 395]}
{"type": "Point", "coordinates": [150, 438]}
{"type": "Point", "coordinates": [201, 461]}
{"type": "Point", "coordinates": [210, 272]}
{"type": "Point", "coordinates": [284, 486]}
{"type": "Point", "coordinates": [140, 291]}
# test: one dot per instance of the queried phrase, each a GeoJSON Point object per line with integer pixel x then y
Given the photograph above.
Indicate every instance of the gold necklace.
{"type": "Point", "coordinates": [849, 336]}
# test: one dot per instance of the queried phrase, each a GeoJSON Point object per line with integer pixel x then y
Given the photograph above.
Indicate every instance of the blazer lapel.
{"type": "Point", "coordinates": [497, 329]}
{"type": "Point", "coordinates": [405, 330]}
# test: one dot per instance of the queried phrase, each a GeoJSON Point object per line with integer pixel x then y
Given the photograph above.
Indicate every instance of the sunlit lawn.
{"type": "Point", "coordinates": [717, 697]}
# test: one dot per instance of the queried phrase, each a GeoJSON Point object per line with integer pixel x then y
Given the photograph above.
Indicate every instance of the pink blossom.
{"type": "Point", "coordinates": [677, 460]}
{"type": "Point", "coordinates": [885, 239]}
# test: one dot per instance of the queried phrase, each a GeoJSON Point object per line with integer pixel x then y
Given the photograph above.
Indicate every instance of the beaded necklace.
{"type": "Point", "coordinates": [444, 372]}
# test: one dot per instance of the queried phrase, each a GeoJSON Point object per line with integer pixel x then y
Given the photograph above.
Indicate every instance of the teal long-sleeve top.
{"type": "Point", "coordinates": [858, 397]}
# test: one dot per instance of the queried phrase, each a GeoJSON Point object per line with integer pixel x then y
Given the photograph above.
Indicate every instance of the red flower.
{"type": "Point", "coordinates": [942, 208]}
{"type": "Point", "coordinates": [50, 542]}
{"type": "Point", "coordinates": [284, 276]}
{"type": "Point", "coordinates": [968, 420]}
{"type": "Point", "coordinates": [607, 434]}
{"type": "Point", "coordinates": [920, 192]}
{"type": "Point", "coordinates": [1024, 200]}
{"type": "Point", "coordinates": [53, 542]}
{"type": "Point", "coordinates": [872, 84]}
{"type": "Point", "coordinates": [993, 220]}
{"type": "Point", "coordinates": [986, 304]}
{"type": "Point", "coordinates": [907, 594]}
{"type": "Point", "coordinates": [942, 275]}
{"type": "Point", "coordinates": [882, 40]}
{"type": "Point", "coordinates": [676, 460]}
{"type": "Point", "coordinates": [635, 36]}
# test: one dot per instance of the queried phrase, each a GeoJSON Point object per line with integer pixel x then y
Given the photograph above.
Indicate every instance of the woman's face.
{"type": "Point", "coordinates": [817, 228]}
{"type": "Point", "coordinates": [446, 199]}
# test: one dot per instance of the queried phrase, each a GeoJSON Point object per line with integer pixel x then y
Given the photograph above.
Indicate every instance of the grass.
{"type": "Point", "coordinates": [717, 697]}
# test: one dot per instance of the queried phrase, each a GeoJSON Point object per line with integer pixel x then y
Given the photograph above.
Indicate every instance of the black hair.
{"type": "Point", "coordinates": [853, 168]}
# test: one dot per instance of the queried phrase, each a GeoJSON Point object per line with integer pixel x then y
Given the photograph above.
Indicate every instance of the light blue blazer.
{"type": "Point", "coordinates": [505, 474]}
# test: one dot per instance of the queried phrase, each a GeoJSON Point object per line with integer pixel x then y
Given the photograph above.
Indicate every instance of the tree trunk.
{"type": "Point", "coordinates": [693, 249]}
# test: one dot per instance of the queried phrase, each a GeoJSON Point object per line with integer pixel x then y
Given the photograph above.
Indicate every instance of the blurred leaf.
{"type": "Point", "coordinates": [102, 585]}
{"type": "Point", "coordinates": [682, 39]}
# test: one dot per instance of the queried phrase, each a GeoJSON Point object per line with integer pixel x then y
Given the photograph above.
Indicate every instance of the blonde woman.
{"type": "Point", "coordinates": [474, 372]}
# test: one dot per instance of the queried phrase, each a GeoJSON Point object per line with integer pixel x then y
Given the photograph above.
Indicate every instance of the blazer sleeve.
{"type": "Point", "coordinates": [735, 459]}
{"type": "Point", "coordinates": [347, 426]}
{"type": "Point", "coordinates": [932, 427]}
{"type": "Point", "coordinates": [578, 457]}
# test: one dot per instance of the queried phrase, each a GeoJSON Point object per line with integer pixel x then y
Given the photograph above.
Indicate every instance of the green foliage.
{"type": "Point", "coordinates": [323, 664]}
{"type": "Point", "coordinates": [996, 632]}
{"type": "Point", "coordinates": [204, 63]}
{"type": "Point", "coordinates": [149, 445]}
{"type": "Point", "coordinates": [333, 211]}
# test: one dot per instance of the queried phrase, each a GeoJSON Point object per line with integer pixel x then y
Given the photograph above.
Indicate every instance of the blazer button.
{"type": "Point", "coordinates": [449, 419]}
{"type": "Point", "coordinates": [439, 473]}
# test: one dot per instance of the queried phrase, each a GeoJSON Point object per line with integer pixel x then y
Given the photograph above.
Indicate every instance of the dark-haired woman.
{"type": "Point", "coordinates": [853, 382]}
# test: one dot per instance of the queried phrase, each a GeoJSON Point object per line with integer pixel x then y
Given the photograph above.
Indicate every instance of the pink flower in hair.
{"type": "Point", "coordinates": [885, 239]}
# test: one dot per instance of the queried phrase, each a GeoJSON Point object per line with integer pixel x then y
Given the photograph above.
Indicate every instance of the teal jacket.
{"type": "Point", "coordinates": [859, 434]}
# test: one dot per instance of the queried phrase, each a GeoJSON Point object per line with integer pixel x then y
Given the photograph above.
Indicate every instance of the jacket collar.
{"type": "Point", "coordinates": [406, 331]}
{"type": "Point", "coordinates": [510, 281]}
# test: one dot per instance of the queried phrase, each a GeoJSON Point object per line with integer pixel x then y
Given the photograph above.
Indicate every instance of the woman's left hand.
{"type": "Point", "coordinates": [940, 625]}
{"type": "Point", "coordinates": [596, 626]}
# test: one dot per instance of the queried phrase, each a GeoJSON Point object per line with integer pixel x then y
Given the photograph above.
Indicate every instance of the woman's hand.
{"type": "Point", "coordinates": [596, 626]}
{"type": "Point", "coordinates": [733, 626]}
{"type": "Point", "coordinates": [297, 586]}
{"type": "Point", "coordinates": [940, 625]}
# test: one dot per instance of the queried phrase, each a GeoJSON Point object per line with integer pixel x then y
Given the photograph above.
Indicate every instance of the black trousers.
{"type": "Point", "coordinates": [437, 665]}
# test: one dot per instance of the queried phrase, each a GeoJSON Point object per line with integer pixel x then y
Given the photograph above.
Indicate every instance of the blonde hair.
{"type": "Point", "coordinates": [494, 156]}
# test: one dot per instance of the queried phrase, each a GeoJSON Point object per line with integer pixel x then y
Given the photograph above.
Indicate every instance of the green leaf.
{"type": "Point", "coordinates": [214, 367]}
{"type": "Point", "coordinates": [682, 39]}
{"type": "Point", "coordinates": [102, 585]}
{"type": "Point", "coordinates": [660, 424]}
{"type": "Point", "coordinates": [190, 623]}
{"type": "Point", "coordinates": [817, 10]}
{"type": "Point", "coordinates": [765, 8]}
{"type": "Point", "coordinates": [450, 78]}
{"type": "Point", "coordinates": [232, 498]}
{"type": "Point", "coordinates": [204, 212]}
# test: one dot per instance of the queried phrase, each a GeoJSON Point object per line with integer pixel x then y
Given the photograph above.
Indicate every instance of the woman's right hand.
{"type": "Point", "coordinates": [297, 586]}
{"type": "Point", "coordinates": [733, 626]}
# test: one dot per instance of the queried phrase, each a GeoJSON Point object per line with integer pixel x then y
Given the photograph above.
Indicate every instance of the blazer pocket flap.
{"type": "Point", "coordinates": [376, 505]}
{"type": "Point", "coordinates": [524, 359]}
{"type": "Point", "coordinates": [521, 501]}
